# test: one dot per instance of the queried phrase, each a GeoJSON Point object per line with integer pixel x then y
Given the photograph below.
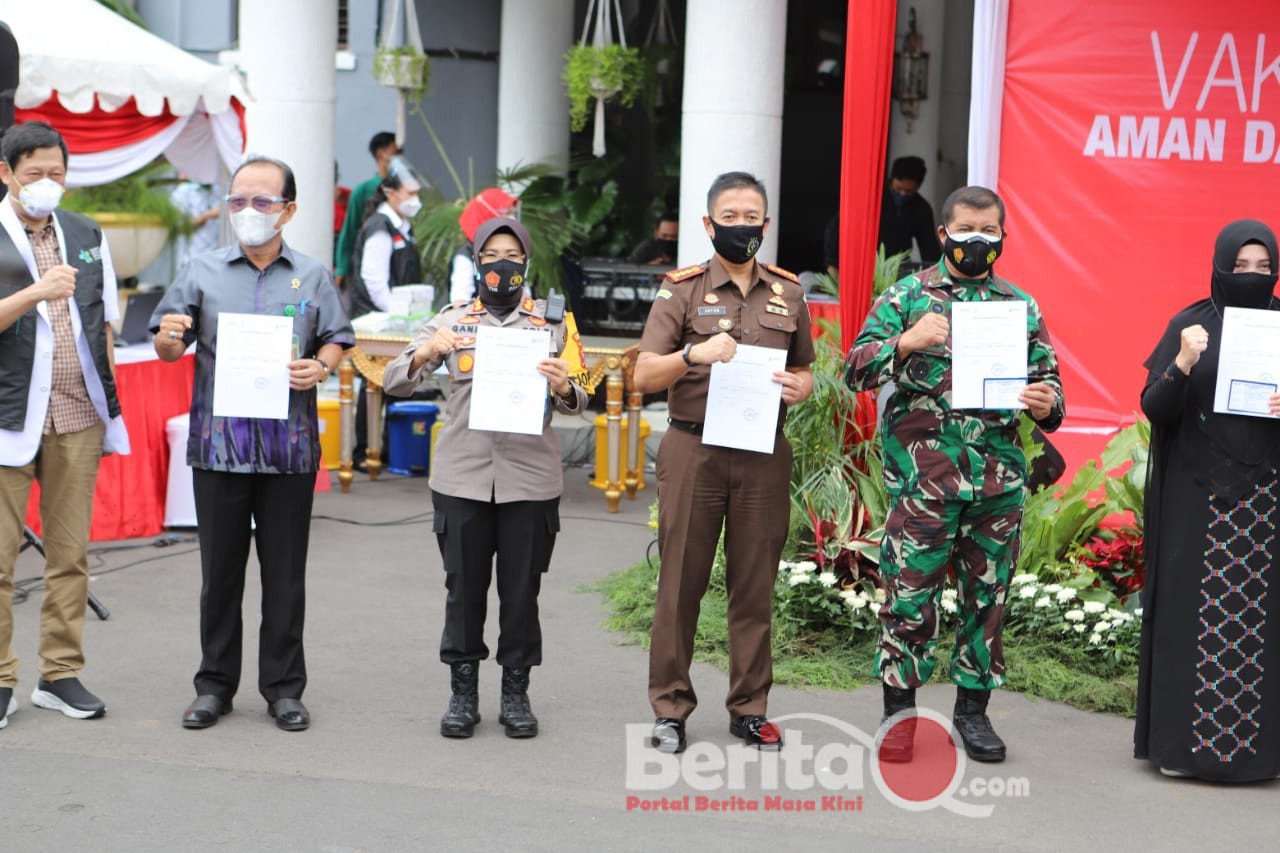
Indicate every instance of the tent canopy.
{"type": "Point", "coordinates": [92, 51]}
{"type": "Point", "coordinates": [121, 96]}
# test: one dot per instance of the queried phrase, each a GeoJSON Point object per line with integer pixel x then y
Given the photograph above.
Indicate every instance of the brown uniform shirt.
{"type": "Point", "coordinates": [477, 464]}
{"type": "Point", "coordinates": [697, 303]}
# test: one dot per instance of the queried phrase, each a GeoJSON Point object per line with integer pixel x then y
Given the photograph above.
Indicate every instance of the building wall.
{"type": "Point", "coordinates": [462, 96]}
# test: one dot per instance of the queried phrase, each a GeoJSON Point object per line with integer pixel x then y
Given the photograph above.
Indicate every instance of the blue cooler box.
{"type": "Point", "coordinates": [409, 437]}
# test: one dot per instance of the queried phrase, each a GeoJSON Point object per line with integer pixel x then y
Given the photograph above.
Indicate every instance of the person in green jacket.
{"type": "Point", "coordinates": [382, 147]}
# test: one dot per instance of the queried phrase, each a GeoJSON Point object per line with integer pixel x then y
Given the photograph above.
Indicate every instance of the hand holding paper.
{"type": "Point", "coordinates": [743, 400]}
{"type": "Point", "coordinates": [251, 373]}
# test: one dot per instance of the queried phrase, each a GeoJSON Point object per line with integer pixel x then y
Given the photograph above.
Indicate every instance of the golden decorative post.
{"type": "Point", "coordinates": [635, 444]}
{"type": "Point", "coordinates": [373, 448]}
{"type": "Point", "coordinates": [613, 412]}
{"type": "Point", "coordinates": [347, 419]}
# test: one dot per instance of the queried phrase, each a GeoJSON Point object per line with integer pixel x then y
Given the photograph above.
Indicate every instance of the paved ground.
{"type": "Point", "coordinates": [373, 774]}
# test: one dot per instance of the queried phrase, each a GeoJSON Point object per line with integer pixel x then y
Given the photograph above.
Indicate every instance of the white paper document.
{"type": "Point", "coordinates": [988, 354]}
{"type": "Point", "coordinates": [508, 394]}
{"type": "Point", "coordinates": [742, 400]}
{"type": "Point", "coordinates": [251, 372]}
{"type": "Point", "coordinates": [1248, 362]}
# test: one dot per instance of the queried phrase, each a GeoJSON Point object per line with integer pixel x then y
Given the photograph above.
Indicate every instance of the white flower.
{"type": "Point", "coordinates": [827, 579]}
{"type": "Point", "coordinates": [1053, 588]}
{"type": "Point", "coordinates": [1138, 613]}
{"type": "Point", "coordinates": [804, 567]}
{"type": "Point", "coordinates": [1118, 615]}
{"type": "Point", "coordinates": [1094, 638]}
{"type": "Point", "coordinates": [949, 605]}
{"type": "Point", "coordinates": [1042, 601]}
{"type": "Point", "coordinates": [1079, 629]}
{"type": "Point", "coordinates": [1074, 615]}
{"type": "Point", "coordinates": [1065, 595]}
{"type": "Point", "coordinates": [949, 594]}
{"type": "Point", "coordinates": [796, 580]}
{"type": "Point", "coordinates": [1094, 607]}
{"type": "Point", "coordinates": [1104, 625]}
{"type": "Point", "coordinates": [857, 603]}
{"type": "Point", "coordinates": [1025, 577]}
{"type": "Point", "coordinates": [783, 564]}
{"type": "Point", "coordinates": [849, 594]}
{"type": "Point", "coordinates": [1029, 591]}
{"type": "Point", "coordinates": [879, 595]}
{"type": "Point", "coordinates": [875, 608]}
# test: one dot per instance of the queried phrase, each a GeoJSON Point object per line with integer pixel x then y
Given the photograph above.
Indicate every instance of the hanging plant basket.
{"type": "Point", "coordinates": [600, 73]}
{"type": "Point", "coordinates": [401, 67]}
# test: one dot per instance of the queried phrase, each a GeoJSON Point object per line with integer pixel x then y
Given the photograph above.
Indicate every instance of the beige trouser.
{"type": "Point", "coordinates": [67, 468]}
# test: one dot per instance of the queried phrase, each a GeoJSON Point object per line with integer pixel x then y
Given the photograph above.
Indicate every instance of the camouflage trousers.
{"type": "Point", "coordinates": [922, 538]}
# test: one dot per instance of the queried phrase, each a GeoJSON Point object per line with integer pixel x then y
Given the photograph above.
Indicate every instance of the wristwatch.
{"type": "Point", "coordinates": [685, 354]}
{"type": "Point", "coordinates": [325, 367]}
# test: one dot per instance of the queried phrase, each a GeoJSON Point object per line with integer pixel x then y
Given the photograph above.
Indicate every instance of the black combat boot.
{"type": "Point", "coordinates": [981, 743]}
{"type": "Point", "coordinates": [899, 742]}
{"type": "Point", "coordinates": [464, 713]}
{"type": "Point", "coordinates": [516, 714]}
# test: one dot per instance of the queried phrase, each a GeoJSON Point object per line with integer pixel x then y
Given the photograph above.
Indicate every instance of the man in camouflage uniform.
{"type": "Point", "coordinates": [956, 477]}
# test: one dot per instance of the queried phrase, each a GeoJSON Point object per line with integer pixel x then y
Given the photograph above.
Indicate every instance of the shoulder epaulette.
{"type": "Point", "coordinates": [686, 272]}
{"type": "Point", "coordinates": [787, 274]}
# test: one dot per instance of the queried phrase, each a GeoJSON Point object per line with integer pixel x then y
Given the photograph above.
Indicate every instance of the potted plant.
{"type": "Point", "coordinates": [136, 216]}
{"type": "Point", "coordinates": [603, 72]}
{"type": "Point", "coordinates": [404, 67]}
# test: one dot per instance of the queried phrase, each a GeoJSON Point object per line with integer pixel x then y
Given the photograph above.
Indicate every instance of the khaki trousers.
{"type": "Point", "coordinates": [66, 467]}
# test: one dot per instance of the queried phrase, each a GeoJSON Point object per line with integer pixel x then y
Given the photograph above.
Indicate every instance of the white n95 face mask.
{"type": "Point", "coordinates": [253, 228]}
{"type": "Point", "coordinates": [40, 198]}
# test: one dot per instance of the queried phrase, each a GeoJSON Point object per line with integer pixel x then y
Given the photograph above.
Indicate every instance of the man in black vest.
{"type": "Point", "coordinates": [58, 407]}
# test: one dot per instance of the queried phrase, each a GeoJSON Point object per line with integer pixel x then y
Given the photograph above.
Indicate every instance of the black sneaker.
{"type": "Point", "coordinates": [70, 697]}
{"type": "Point", "coordinates": [7, 705]}
{"type": "Point", "coordinates": [668, 736]}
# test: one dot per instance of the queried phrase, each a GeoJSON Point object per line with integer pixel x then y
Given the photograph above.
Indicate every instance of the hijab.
{"type": "Point", "coordinates": [1227, 453]}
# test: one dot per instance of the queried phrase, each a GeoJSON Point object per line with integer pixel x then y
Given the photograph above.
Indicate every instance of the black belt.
{"type": "Point", "coordinates": [695, 428]}
{"type": "Point", "coordinates": [691, 427]}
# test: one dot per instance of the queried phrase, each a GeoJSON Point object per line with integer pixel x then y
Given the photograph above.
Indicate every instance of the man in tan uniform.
{"type": "Point", "coordinates": [699, 317]}
{"type": "Point", "coordinates": [494, 493]}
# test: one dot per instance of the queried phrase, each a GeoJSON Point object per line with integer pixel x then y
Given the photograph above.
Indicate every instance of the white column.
{"type": "Point", "coordinates": [922, 140]}
{"type": "Point", "coordinates": [286, 51]}
{"type": "Point", "coordinates": [533, 110]}
{"type": "Point", "coordinates": [732, 117]}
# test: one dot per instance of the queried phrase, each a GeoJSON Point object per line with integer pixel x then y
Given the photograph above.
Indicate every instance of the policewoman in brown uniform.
{"type": "Point", "coordinates": [699, 317]}
{"type": "Point", "coordinates": [493, 492]}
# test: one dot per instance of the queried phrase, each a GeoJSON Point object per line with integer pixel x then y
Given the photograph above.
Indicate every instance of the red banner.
{"type": "Point", "coordinates": [1131, 133]}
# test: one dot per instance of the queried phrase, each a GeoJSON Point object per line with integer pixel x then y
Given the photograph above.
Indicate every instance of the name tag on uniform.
{"type": "Point", "coordinates": [710, 310]}
{"type": "Point", "coordinates": [777, 309]}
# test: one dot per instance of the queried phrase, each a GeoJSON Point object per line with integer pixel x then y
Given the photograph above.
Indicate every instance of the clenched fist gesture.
{"type": "Point", "coordinates": [1194, 341]}
{"type": "Point", "coordinates": [930, 330]}
{"type": "Point", "coordinates": [720, 348]}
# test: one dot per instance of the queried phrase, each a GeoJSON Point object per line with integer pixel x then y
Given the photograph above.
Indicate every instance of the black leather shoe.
{"type": "Point", "coordinates": [205, 711]}
{"type": "Point", "coordinates": [516, 713]}
{"type": "Point", "coordinates": [69, 697]}
{"type": "Point", "coordinates": [668, 735]}
{"type": "Point", "coordinates": [7, 705]}
{"type": "Point", "coordinates": [756, 731]}
{"type": "Point", "coordinates": [291, 715]}
{"type": "Point", "coordinates": [981, 743]}
{"type": "Point", "coordinates": [898, 744]}
{"type": "Point", "coordinates": [464, 714]}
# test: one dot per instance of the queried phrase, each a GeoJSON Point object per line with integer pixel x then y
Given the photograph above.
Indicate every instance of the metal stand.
{"type": "Point", "coordinates": [33, 541]}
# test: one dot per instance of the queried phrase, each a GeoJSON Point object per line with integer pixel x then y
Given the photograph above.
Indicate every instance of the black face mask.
{"type": "Point", "coordinates": [501, 282]}
{"type": "Point", "coordinates": [973, 257]}
{"type": "Point", "coordinates": [1244, 289]}
{"type": "Point", "coordinates": [668, 247]}
{"type": "Point", "coordinates": [737, 244]}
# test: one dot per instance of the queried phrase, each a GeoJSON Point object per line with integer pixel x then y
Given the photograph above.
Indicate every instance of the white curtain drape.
{"type": "Point", "coordinates": [990, 29]}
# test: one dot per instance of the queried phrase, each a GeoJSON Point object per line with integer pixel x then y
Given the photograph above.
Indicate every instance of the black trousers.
{"type": "Point", "coordinates": [280, 506]}
{"type": "Point", "coordinates": [522, 535]}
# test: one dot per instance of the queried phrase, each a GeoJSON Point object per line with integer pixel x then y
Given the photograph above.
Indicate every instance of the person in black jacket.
{"type": "Point", "coordinates": [905, 215]}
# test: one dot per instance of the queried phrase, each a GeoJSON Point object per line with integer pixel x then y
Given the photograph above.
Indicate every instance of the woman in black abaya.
{"type": "Point", "coordinates": [1209, 683]}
